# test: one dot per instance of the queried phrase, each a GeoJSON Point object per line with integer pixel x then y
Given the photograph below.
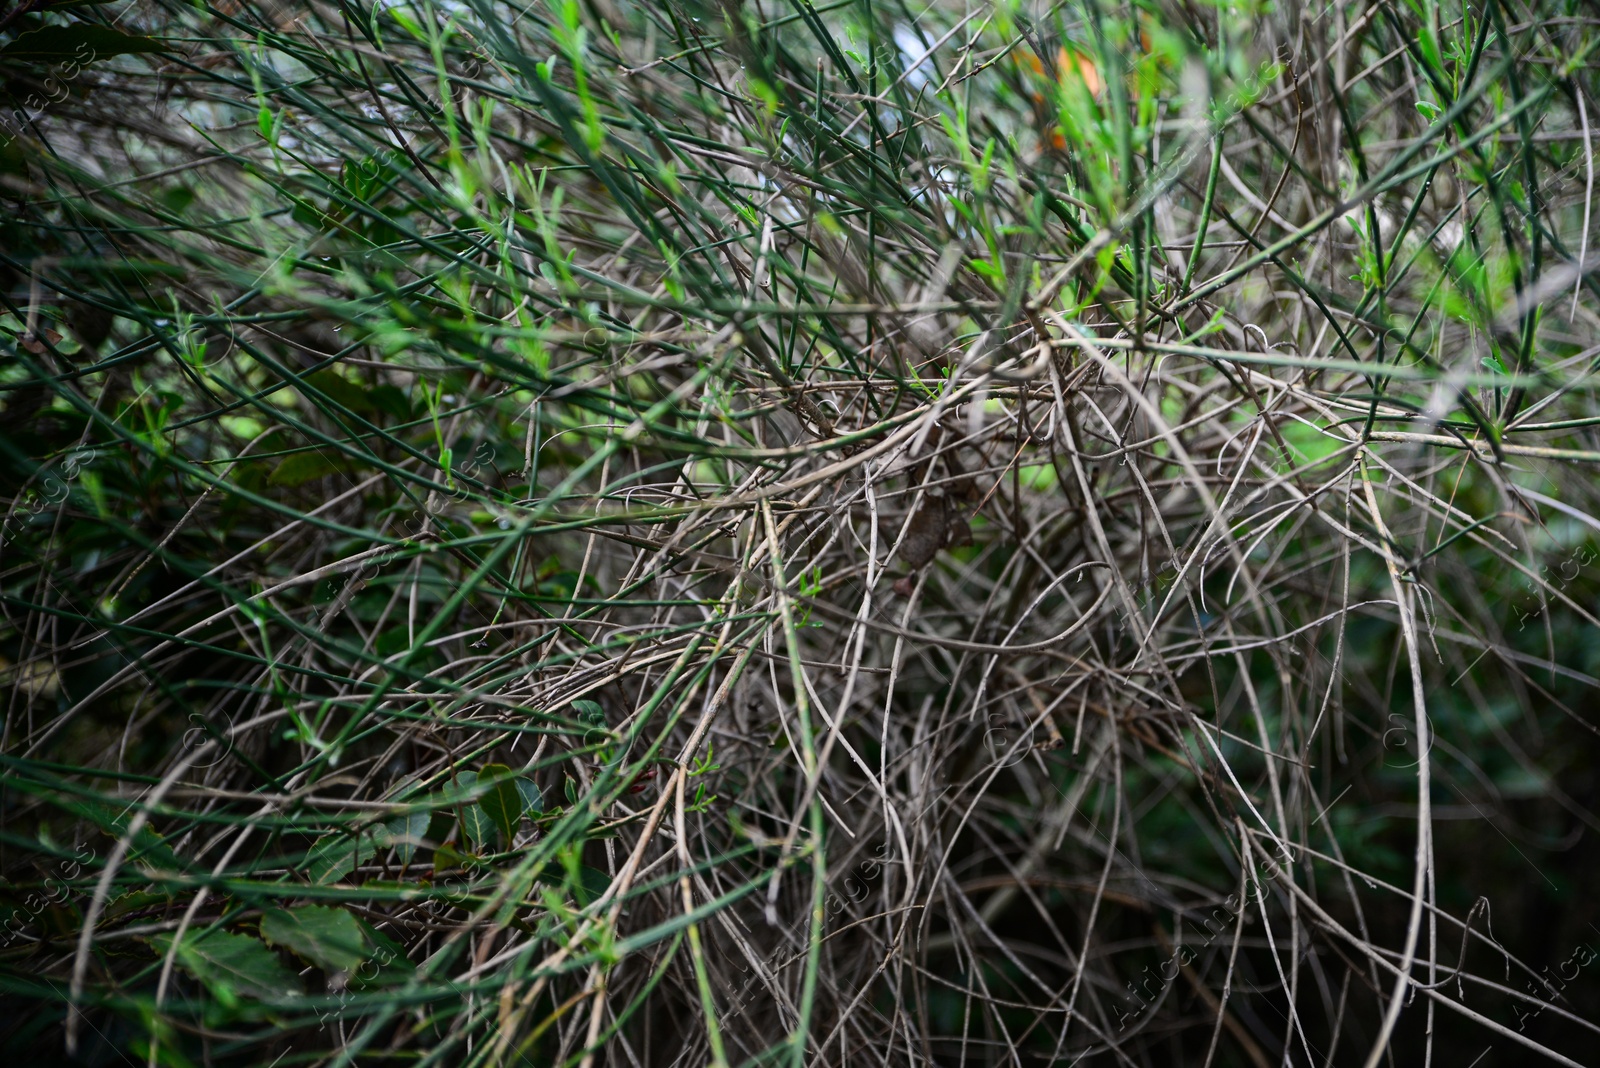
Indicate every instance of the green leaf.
{"type": "Point", "coordinates": [330, 938]}
{"type": "Point", "coordinates": [392, 400]}
{"type": "Point", "coordinates": [334, 856]}
{"type": "Point", "coordinates": [503, 803]}
{"type": "Point", "coordinates": [13, 160]}
{"type": "Point", "coordinates": [80, 43]}
{"type": "Point", "coordinates": [301, 468]}
{"type": "Point", "coordinates": [447, 857]}
{"type": "Point", "coordinates": [132, 901]}
{"type": "Point", "coordinates": [404, 833]}
{"type": "Point", "coordinates": [148, 847]}
{"type": "Point", "coordinates": [302, 212]}
{"type": "Point", "coordinates": [339, 389]}
{"type": "Point", "coordinates": [177, 198]}
{"type": "Point", "coordinates": [590, 712]}
{"type": "Point", "coordinates": [387, 964]}
{"type": "Point", "coordinates": [1428, 44]}
{"type": "Point", "coordinates": [584, 883]}
{"type": "Point", "coordinates": [532, 799]}
{"type": "Point", "coordinates": [231, 964]}
{"type": "Point", "coordinates": [476, 825]}
{"type": "Point", "coordinates": [592, 882]}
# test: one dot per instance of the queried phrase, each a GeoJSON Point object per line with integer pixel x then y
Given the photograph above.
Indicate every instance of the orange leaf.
{"type": "Point", "coordinates": [1070, 59]}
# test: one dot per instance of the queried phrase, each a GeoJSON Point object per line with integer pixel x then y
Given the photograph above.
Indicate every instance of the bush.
{"type": "Point", "coordinates": [786, 533]}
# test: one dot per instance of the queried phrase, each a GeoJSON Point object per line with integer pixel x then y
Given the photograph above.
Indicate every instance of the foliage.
{"type": "Point", "coordinates": [685, 533]}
